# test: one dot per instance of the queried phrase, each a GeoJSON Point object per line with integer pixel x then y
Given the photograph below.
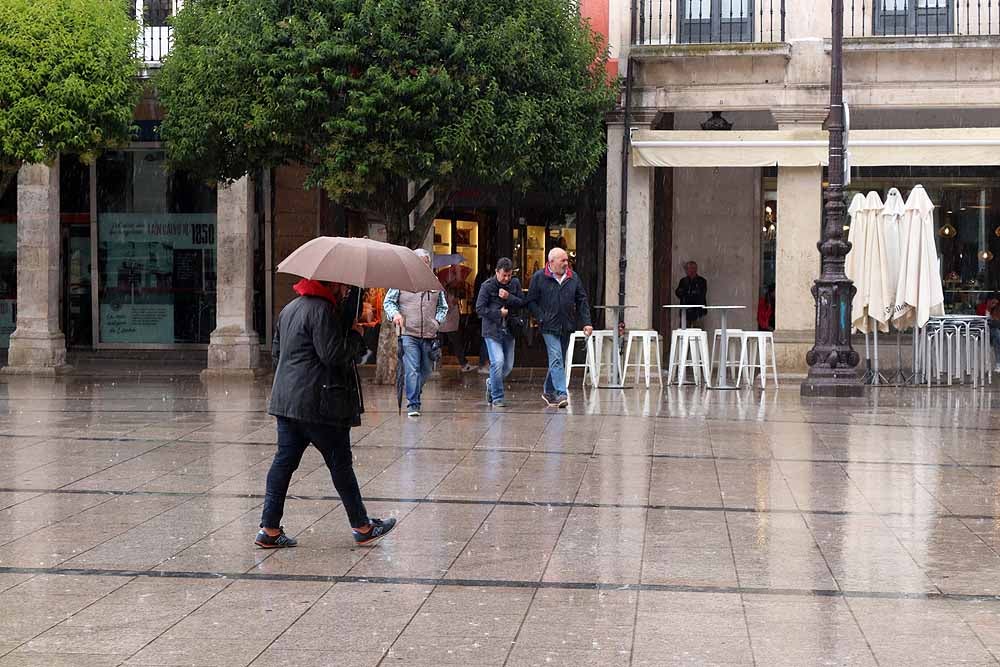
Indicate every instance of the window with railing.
{"type": "Point", "coordinates": [156, 34]}
{"type": "Point", "coordinates": [921, 18]}
{"type": "Point", "coordinates": [708, 21]}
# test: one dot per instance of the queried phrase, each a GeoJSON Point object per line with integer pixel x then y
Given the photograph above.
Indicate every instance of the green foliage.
{"type": "Point", "coordinates": [372, 94]}
{"type": "Point", "coordinates": [68, 78]}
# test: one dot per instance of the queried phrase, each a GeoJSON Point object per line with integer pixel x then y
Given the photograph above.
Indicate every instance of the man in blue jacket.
{"type": "Point", "coordinates": [558, 301]}
{"type": "Point", "coordinates": [498, 305]}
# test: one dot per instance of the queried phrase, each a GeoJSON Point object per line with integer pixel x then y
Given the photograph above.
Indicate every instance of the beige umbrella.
{"type": "Point", "coordinates": [854, 263]}
{"type": "Point", "coordinates": [890, 220]}
{"type": "Point", "coordinates": [360, 262]}
{"type": "Point", "coordinates": [919, 294]}
{"type": "Point", "coordinates": [880, 292]}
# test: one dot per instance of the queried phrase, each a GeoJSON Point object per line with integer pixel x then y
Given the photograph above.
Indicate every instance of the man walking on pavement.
{"type": "Point", "coordinates": [317, 398]}
{"type": "Point", "coordinates": [498, 305]}
{"type": "Point", "coordinates": [558, 301]}
{"type": "Point", "coordinates": [419, 316]}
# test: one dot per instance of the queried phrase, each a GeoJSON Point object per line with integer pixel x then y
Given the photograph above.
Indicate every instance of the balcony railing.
{"type": "Point", "coordinates": [156, 35]}
{"type": "Point", "coordinates": [921, 18]}
{"type": "Point", "coordinates": [664, 22]}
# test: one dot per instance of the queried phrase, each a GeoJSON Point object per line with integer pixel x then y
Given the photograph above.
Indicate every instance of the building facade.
{"type": "Point", "coordinates": [727, 154]}
{"type": "Point", "coordinates": [122, 254]}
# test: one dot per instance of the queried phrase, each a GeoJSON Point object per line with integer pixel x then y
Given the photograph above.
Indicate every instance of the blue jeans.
{"type": "Point", "coordinates": [555, 380]}
{"type": "Point", "coordinates": [417, 366]}
{"type": "Point", "coordinates": [501, 363]}
{"type": "Point", "coordinates": [334, 443]}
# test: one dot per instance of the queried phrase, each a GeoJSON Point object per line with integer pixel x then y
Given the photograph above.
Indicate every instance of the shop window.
{"type": "Point", "coordinates": [156, 233]}
{"type": "Point", "coordinates": [455, 236]}
{"type": "Point", "coordinates": [8, 261]}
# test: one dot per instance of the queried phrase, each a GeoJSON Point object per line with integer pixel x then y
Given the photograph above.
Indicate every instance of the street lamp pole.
{"type": "Point", "coordinates": [832, 360]}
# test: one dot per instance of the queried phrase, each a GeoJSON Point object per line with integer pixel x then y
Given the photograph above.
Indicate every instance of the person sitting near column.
{"type": "Point", "coordinates": [693, 290]}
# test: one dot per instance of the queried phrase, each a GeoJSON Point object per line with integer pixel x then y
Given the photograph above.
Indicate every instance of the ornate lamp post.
{"type": "Point", "coordinates": [832, 359]}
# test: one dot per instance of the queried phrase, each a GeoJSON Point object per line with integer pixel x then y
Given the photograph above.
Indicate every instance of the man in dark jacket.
{"type": "Point", "coordinates": [693, 289]}
{"type": "Point", "coordinates": [558, 301]}
{"type": "Point", "coordinates": [499, 305]}
{"type": "Point", "coordinates": [316, 397]}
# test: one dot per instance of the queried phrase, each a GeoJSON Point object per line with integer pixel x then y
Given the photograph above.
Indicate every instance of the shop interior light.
{"type": "Point", "coordinates": [986, 255]}
{"type": "Point", "coordinates": [947, 231]}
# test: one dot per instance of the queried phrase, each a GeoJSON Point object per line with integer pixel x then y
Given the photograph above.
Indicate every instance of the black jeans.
{"type": "Point", "coordinates": [334, 443]}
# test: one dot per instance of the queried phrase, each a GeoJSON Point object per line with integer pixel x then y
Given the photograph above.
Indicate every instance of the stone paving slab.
{"type": "Point", "coordinates": [644, 527]}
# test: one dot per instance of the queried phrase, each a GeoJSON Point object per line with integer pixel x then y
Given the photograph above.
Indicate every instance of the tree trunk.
{"type": "Point", "coordinates": [385, 368]}
{"type": "Point", "coordinates": [397, 232]}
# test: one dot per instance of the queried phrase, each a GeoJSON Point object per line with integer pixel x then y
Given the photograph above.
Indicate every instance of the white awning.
{"type": "Point", "coordinates": [974, 146]}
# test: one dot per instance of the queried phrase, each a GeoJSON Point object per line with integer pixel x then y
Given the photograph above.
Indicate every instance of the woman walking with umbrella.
{"type": "Point", "coordinates": [316, 396]}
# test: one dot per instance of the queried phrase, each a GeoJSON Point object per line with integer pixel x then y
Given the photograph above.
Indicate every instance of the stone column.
{"type": "Point", "coordinates": [37, 346]}
{"type": "Point", "coordinates": [639, 241]}
{"type": "Point", "coordinates": [800, 215]}
{"type": "Point", "coordinates": [234, 347]}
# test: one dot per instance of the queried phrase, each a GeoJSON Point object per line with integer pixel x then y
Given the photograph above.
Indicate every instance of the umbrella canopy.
{"type": "Point", "coordinates": [455, 273]}
{"type": "Point", "coordinates": [855, 261]}
{"type": "Point", "coordinates": [880, 293]}
{"type": "Point", "coordinates": [919, 294]}
{"type": "Point", "coordinates": [446, 260]}
{"type": "Point", "coordinates": [360, 262]}
{"type": "Point", "coordinates": [889, 221]}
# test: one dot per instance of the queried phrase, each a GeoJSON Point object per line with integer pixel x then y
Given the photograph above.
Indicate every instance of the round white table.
{"type": "Point", "coordinates": [617, 381]}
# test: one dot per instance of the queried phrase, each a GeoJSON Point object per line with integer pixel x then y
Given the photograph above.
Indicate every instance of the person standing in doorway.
{"type": "Point", "coordinates": [419, 316]}
{"type": "Point", "coordinates": [693, 290]}
{"type": "Point", "coordinates": [316, 397]}
{"type": "Point", "coordinates": [558, 301]}
{"type": "Point", "coordinates": [498, 305]}
{"type": "Point", "coordinates": [451, 328]}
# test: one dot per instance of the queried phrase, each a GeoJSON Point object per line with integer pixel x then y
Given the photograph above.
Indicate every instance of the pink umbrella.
{"type": "Point", "coordinates": [360, 262]}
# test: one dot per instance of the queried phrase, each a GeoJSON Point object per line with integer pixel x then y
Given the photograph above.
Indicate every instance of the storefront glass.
{"type": "Point", "coordinates": [966, 222]}
{"type": "Point", "coordinates": [156, 234]}
{"type": "Point", "coordinates": [8, 262]}
{"type": "Point", "coordinates": [74, 218]}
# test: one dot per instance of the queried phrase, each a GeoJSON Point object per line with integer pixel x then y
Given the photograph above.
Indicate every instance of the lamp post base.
{"type": "Point", "coordinates": [837, 383]}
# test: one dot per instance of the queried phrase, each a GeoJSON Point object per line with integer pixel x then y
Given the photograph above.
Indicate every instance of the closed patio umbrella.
{"type": "Point", "coordinates": [919, 294]}
{"type": "Point", "coordinates": [880, 293]}
{"type": "Point", "coordinates": [890, 220]}
{"type": "Point", "coordinates": [854, 263]}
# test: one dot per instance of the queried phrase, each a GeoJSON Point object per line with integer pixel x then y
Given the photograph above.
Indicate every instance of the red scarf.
{"type": "Point", "coordinates": [306, 287]}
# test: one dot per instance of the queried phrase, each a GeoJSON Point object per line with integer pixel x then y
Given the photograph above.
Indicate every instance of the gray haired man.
{"type": "Point", "coordinates": [418, 315]}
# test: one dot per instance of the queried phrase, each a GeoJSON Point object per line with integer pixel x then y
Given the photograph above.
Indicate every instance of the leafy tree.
{"type": "Point", "coordinates": [374, 95]}
{"type": "Point", "coordinates": [68, 79]}
{"type": "Point", "coordinates": [391, 104]}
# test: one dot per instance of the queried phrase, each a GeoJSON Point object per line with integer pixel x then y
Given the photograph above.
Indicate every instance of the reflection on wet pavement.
{"type": "Point", "coordinates": [644, 527]}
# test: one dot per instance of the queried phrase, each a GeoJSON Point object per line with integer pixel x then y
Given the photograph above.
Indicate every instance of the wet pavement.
{"type": "Point", "coordinates": [656, 527]}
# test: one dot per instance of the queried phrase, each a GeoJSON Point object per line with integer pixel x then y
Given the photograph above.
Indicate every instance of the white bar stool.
{"type": "Point", "coordinates": [604, 347]}
{"type": "Point", "coordinates": [592, 362]}
{"type": "Point", "coordinates": [736, 344]}
{"type": "Point", "coordinates": [689, 349]}
{"type": "Point", "coordinates": [764, 340]}
{"type": "Point", "coordinates": [644, 356]}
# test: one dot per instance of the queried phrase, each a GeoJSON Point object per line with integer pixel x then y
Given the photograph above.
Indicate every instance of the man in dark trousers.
{"type": "Point", "coordinates": [558, 301]}
{"type": "Point", "coordinates": [693, 289]}
{"type": "Point", "coordinates": [317, 398]}
{"type": "Point", "coordinates": [499, 305]}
